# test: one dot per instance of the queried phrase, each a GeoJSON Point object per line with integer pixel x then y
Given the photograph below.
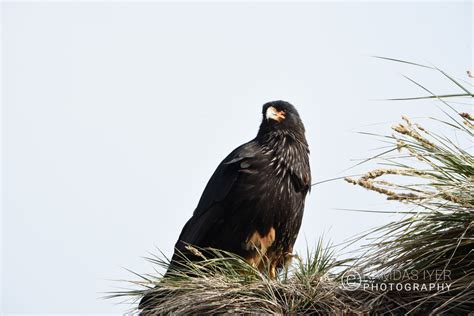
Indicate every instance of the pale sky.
{"type": "Point", "coordinates": [115, 116]}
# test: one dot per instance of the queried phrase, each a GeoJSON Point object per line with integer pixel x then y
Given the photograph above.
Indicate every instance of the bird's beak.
{"type": "Point", "coordinates": [273, 114]}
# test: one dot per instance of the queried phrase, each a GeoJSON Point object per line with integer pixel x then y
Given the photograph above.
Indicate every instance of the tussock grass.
{"type": "Point", "coordinates": [226, 283]}
{"type": "Point", "coordinates": [431, 175]}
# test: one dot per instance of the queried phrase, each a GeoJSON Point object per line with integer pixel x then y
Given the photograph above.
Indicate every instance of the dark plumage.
{"type": "Point", "coordinates": [253, 203]}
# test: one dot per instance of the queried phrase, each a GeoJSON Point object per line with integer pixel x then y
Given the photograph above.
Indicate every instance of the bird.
{"type": "Point", "coordinates": [254, 201]}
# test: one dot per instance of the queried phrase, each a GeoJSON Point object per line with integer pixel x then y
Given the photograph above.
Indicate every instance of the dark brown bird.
{"type": "Point", "coordinates": [253, 203]}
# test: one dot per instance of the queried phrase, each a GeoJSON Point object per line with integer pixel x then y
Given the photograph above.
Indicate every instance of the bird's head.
{"type": "Point", "coordinates": [280, 115]}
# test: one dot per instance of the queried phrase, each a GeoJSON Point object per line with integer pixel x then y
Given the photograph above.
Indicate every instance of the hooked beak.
{"type": "Point", "coordinates": [273, 114]}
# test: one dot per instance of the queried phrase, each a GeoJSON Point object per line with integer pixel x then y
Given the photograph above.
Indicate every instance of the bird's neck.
{"type": "Point", "coordinates": [285, 145]}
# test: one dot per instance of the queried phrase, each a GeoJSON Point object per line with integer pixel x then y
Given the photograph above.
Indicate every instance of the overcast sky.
{"type": "Point", "coordinates": [116, 115]}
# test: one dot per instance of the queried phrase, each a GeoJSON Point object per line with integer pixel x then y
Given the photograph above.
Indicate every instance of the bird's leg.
{"type": "Point", "coordinates": [272, 273]}
{"type": "Point", "coordinates": [258, 245]}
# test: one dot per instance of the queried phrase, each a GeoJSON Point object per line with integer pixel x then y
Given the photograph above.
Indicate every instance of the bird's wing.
{"type": "Point", "coordinates": [217, 189]}
{"type": "Point", "coordinates": [225, 176]}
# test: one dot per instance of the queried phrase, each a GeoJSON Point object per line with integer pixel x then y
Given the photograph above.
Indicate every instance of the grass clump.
{"type": "Point", "coordinates": [226, 283]}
